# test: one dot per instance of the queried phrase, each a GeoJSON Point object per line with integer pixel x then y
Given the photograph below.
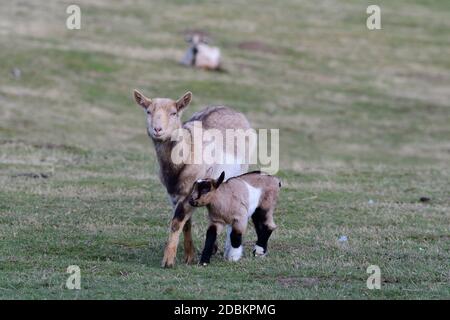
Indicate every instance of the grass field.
{"type": "Point", "coordinates": [364, 119]}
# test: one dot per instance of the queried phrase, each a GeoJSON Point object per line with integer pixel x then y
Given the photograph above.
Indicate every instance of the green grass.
{"type": "Point", "coordinates": [363, 115]}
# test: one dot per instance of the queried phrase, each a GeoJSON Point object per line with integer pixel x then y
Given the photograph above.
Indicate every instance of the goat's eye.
{"type": "Point", "coordinates": [173, 114]}
{"type": "Point", "coordinates": [204, 189]}
{"type": "Point", "coordinates": [149, 113]}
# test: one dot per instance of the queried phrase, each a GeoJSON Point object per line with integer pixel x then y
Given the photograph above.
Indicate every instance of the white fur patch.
{"type": "Point", "coordinates": [254, 194]}
{"type": "Point", "coordinates": [258, 251]}
{"type": "Point", "coordinates": [235, 253]}
{"type": "Point", "coordinates": [229, 164]}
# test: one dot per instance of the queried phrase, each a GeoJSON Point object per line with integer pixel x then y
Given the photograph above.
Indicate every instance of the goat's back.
{"type": "Point", "coordinates": [220, 118]}
{"type": "Point", "coordinates": [259, 180]}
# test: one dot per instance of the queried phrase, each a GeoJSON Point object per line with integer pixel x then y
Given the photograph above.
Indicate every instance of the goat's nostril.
{"type": "Point", "coordinates": [157, 130]}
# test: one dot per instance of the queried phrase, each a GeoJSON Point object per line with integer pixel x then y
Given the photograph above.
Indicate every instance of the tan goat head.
{"type": "Point", "coordinates": [163, 115]}
{"type": "Point", "coordinates": [203, 190]}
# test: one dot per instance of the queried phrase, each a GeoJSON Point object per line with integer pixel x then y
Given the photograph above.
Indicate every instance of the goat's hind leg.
{"type": "Point", "coordinates": [189, 249]}
{"type": "Point", "coordinates": [264, 225]}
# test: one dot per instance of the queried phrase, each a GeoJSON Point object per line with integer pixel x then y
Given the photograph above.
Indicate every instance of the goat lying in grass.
{"type": "Point", "coordinates": [201, 55]}
{"type": "Point", "coordinates": [232, 203]}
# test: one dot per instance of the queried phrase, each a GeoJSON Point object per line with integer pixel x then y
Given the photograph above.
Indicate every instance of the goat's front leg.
{"type": "Point", "coordinates": [210, 243]}
{"type": "Point", "coordinates": [181, 216]}
{"type": "Point", "coordinates": [235, 249]}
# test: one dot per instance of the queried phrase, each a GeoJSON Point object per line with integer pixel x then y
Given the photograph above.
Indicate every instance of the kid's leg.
{"type": "Point", "coordinates": [236, 248]}
{"type": "Point", "coordinates": [210, 243]}
{"type": "Point", "coordinates": [264, 225]}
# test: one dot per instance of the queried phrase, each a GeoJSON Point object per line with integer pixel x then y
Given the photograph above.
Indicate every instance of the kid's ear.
{"type": "Point", "coordinates": [142, 100]}
{"type": "Point", "coordinates": [184, 101]}
{"type": "Point", "coordinates": [220, 180]}
{"type": "Point", "coordinates": [209, 172]}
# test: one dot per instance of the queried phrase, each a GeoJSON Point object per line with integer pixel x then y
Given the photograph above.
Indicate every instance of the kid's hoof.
{"type": "Point", "coordinates": [255, 254]}
{"type": "Point", "coordinates": [235, 254]}
{"type": "Point", "coordinates": [259, 251]}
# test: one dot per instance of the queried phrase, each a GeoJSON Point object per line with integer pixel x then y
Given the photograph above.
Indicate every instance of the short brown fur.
{"type": "Point", "coordinates": [227, 202]}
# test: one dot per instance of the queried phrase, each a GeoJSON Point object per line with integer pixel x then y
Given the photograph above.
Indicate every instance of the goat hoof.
{"type": "Point", "coordinates": [169, 257]}
{"type": "Point", "coordinates": [255, 254]}
{"type": "Point", "coordinates": [259, 251]}
{"type": "Point", "coordinates": [189, 259]}
{"type": "Point", "coordinates": [167, 262]}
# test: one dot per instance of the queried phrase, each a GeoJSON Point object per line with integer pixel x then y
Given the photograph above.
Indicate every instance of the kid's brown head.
{"type": "Point", "coordinates": [163, 115]}
{"type": "Point", "coordinates": [204, 190]}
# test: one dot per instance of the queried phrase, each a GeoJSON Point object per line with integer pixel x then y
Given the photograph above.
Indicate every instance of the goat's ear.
{"type": "Point", "coordinates": [209, 172]}
{"type": "Point", "coordinates": [141, 100]}
{"type": "Point", "coordinates": [220, 180]}
{"type": "Point", "coordinates": [184, 101]}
